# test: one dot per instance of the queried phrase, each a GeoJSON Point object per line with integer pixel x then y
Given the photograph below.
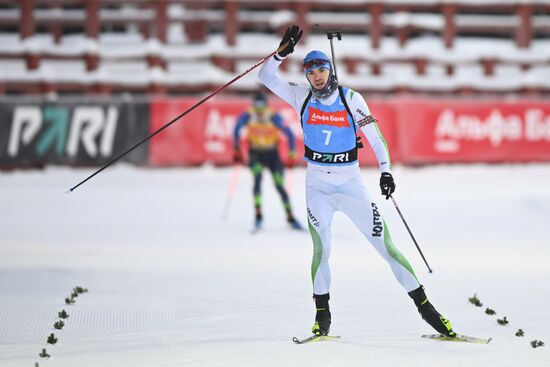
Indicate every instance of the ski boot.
{"type": "Point", "coordinates": [322, 317]}
{"type": "Point", "coordinates": [294, 223]}
{"type": "Point", "coordinates": [430, 314]}
{"type": "Point", "coordinates": [258, 222]}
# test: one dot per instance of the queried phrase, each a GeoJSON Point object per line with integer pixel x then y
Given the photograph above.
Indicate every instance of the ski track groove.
{"type": "Point", "coordinates": [33, 323]}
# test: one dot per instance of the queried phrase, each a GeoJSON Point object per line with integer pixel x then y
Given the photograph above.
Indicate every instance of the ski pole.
{"type": "Point", "coordinates": [180, 116]}
{"type": "Point", "coordinates": [232, 190]}
{"type": "Point", "coordinates": [409, 230]}
{"type": "Point", "coordinates": [330, 36]}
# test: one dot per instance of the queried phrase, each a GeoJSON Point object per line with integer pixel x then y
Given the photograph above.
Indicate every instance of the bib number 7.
{"type": "Point", "coordinates": [328, 133]}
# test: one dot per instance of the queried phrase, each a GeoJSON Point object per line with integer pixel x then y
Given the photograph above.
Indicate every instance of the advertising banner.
{"type": "Point", "coordinates": [386, 114]}
{"type": "Point", "coordinates": [71, 131]}
{"type": "Point", "coordinates": [84, 131]}
{"type": "Point", "coordinates": [450, 131]}
{"type": "Point", "coordinates": [206, 133]}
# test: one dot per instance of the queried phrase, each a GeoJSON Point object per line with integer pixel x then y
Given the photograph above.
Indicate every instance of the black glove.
{"type": "Point", "coordinates": [292, 36]}
{"type": "Point", "coordinates": [387, 186]}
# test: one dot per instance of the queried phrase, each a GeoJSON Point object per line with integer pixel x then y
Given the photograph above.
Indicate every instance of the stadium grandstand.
{"type": "Point", "coordinates": [426, 47]}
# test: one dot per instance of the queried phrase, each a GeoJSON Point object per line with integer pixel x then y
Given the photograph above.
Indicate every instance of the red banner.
{"type": "Point", "coordinates": [417, 131]}
{"type": "Point", "coordinates": [181, 143]}
{"type": "Point", "coordinates": [386, 115]}
{"type": "Point", "coordinates": [434, 131]}
{"type": "Point", "coordinates": [206, 133]}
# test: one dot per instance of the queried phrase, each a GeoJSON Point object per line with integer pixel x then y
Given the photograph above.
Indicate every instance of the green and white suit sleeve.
{"type": "Point", "coordinates": [369, 126]}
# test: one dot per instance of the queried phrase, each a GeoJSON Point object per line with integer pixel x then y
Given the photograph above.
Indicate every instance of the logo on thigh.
{"type": "Point", "coordinates": [312, 218]}
{"type": "Point", "coordinates": [377, 225]}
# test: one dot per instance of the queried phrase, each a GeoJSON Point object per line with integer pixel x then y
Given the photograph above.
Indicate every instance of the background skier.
{"type": "Point", "coordinates": [264, 127]}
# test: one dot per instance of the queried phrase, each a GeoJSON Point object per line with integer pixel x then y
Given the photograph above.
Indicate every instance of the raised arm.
{"type": "Point", "coordinates": [291, 93]}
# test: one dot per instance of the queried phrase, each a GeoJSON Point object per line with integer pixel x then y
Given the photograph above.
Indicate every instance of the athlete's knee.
{"type": "Point", "coordinates": [278, 178]}
{"type": "Point", "coordinates": [256, 169]}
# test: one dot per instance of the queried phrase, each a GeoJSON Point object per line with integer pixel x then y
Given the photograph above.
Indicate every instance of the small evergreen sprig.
{"type": "Point", "coordinates": [44, 354]}
{"type": "Point", "coordinates": [80, 290]}
{"type": "Point", "coordinates": [503, 321]}
{"type": "Point", "coordinates": [490, 311]}
{"type": "Point", "coordinates": [475, 301]}
{"type": "Point", "coordinates": [537, 343]}
{"type": "Point", "coordinates": [63, 314]}
{"type": "Point", "coordinates": [52, 339]}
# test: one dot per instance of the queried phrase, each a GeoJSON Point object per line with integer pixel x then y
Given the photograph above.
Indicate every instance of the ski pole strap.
{"type": "Point", "coordinates": [304, 108]}
{"type": "Point", "coordinates": [345, 103]}
{"type": "Point", "coordinates": [332, 158]}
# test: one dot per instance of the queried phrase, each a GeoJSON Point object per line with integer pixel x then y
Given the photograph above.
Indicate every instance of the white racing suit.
{"type": "Point", "coordinates": [333, 179]}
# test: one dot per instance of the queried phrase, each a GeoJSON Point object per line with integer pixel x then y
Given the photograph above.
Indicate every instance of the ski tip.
{"type": "Point", "coordinates": [315, 338]}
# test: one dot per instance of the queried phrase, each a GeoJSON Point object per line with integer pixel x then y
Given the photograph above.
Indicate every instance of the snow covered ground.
{"type": "Point", "coordinates": [172, 284]}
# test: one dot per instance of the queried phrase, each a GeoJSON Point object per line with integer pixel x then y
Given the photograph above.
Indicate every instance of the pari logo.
{"type": "Point", "coordinates": [90, 127]}
{"type": "Point", "coordinates": [330, 158]}
{"type": "Point", "coordinates": [453, 127]}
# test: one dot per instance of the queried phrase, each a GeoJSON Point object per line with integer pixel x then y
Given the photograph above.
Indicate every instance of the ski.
{"type": "Point", "coordinates": [458, 338]}
{"type": "Point", "coordinates": [315, 338]}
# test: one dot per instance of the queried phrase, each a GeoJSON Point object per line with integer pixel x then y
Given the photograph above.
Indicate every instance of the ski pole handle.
{"type": "Point", "coordinates": [285, 45]}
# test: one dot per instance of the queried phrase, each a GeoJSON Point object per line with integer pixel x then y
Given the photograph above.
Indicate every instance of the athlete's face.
{"type": "Point", "coordinates": [261, 112]}
{"type": "Point", "coordinates": [318, 78]}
